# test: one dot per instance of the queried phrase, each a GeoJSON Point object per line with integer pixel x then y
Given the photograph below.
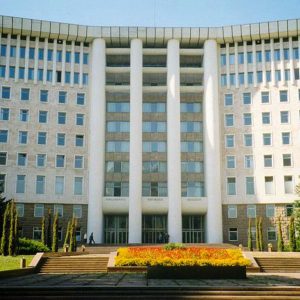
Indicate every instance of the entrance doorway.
{"type": "Point", "coordinates": [193, 229]}
{"type": "Point", "coordinates": [115, 229]}
{"type": "Point", "coordinates": [154, 227]}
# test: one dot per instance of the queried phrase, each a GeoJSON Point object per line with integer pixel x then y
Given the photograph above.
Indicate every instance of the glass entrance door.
{"type": "Point", "coordinates": [154, 227]}
{"type": "Point", "coordinates": [115, 229]}
{"type": "Point", "coordinates": [193, 229]}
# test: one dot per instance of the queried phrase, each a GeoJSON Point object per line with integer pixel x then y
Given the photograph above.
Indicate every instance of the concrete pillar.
{"type": "Point", "coordinates": [212, 143]}
{"type": "Point", "coordinates": [292, 75]}
{"type": "Point", "coordinates": [136, 146]}
{"type": "Point", "coordinates": [97, 139]}
{"type": "Point", "coordinates": [174, 149]}
{"type": "Point", "coordinates": [245, 64]}
{"type": "Point", "coordinates": [63, 63]}
{"type": "Point", "coordinates": [26, 59]}
{"type": "Point", "coordinates": [263, 63]}
{"type": "Point", "coordinates": [36, 60]}
{"type": "Point", "coordinates": [7, 57]}
{"type": "Point", "coordinates": [54, 62]}
{"type": "Point", "coordinates": [17, 58]}
{"type": "Point", "coordinates": [45, 61]}
{"type": "Point", "coordinates": [272, 63]}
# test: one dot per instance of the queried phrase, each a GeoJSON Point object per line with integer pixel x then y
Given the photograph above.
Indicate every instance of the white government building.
{"type": "Point", "coordinates": [143, 131]}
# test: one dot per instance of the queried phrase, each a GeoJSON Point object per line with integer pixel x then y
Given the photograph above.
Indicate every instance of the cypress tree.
{"type": "Point", "coordinates": [44, 231]}
{"type": "Point", "coordinates": [260, 236]}
{"type": "Point", "coordinates": [292, 243]}
{"type": "Point", "coordinates": [67, 237]}
{"type": "Point", "coordinates": [71, 236]}
{"type": "Point", "coordinates": [5, 231]}
{"type": "Point", "coordinates": [74, 236]}
{"type": "Point", "coordinates": [16, 232]}
{"type": "Point", "coordinates": [280, 244]}
{"type": "Point", "coordinates": [55, 234]}
{"type": "Point", "coordinates": [49, 229]}
{"type": "Point", "coordinates": [249, 236]}
{"type": "Point", "coordinates": [12, 237]}
{"type": "Point", "coordinates": [3, 205]}
{"type": "Point", "coordinates": [257, 235]}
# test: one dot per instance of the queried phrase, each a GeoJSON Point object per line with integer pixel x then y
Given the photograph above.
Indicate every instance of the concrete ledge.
{"type": "Point", "coordinates": [17, 272]}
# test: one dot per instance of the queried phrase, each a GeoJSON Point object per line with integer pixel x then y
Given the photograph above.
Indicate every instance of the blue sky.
{"type": "Point", "coordinates": [195, 13]}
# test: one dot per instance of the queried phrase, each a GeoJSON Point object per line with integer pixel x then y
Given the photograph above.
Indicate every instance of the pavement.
{"type": "Point", "coordinates": [140, 280]}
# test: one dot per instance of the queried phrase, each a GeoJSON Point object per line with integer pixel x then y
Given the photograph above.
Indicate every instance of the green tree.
{"type": "Point", "coordinates": [49, 229]}
{"type": "Point", "coordinates": [71, 236]}
{"type": "Point", "coordinates": [260, 234]}
{"type": "Point", "coordinates": [12, 233]}
{"type": "Point", "coordinates": [257, 234]}
{"type": "Point", "coordinates": [5, 231]}
{"type": "Point", "coordinates": [3, 204]}
{"type": "Point", "coordinates": [43, 231]}
{"type": "Point", "coordinates": [16, 231]}
{"type": "Point", "coordinates": [55, 234]}
{"type": "Point", "coordinates": [67, 237]}
{"type": "Point", "coordinates": [292, 242]}
{"type": "Point", "coordinates": [280, 244]}
{"type": "Point", "coordinates": [250, 247]}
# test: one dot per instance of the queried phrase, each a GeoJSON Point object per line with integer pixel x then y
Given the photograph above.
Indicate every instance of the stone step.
{"type": "Point", "coordinates": [279, 264]}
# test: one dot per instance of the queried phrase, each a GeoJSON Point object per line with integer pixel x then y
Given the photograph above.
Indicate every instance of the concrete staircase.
{"type": "Point", "coordinates": [74, 264]}
{"type": "Point", "coordinates": [279, 264]}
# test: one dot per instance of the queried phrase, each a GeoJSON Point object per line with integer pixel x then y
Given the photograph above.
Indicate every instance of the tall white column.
{"type": "Point", "coordinates": [26, 59]}
{"type": "Point", "coordinates": [227, 66]}
{"type": "Point", "coordinates": [292, 75]}
{"type": "Point", "coordinates": [17, 58]}
{"type": "Point", "coordinates": [263, 62]}
{"type": "Point", "coordinates": [245, 65]}
{"type": "Point", "coordinates": [7, 57]}
{"type": "Point", "coordinates": [136, 149]}
{"type": "Point", "coordinates": [97, 139]}
{"type": "Point", "coordinates": [236, 64]}
{"type": "Point", "coordinates": [273, 81]}
{"type": "Point", "coordinates": [281, 64]}
{"type": "Point", "coordinates": [36, 60]}
{"type": "Point", "coordinates": [174, 150]}
{"type": "Point", "coordinates": [212, 143]}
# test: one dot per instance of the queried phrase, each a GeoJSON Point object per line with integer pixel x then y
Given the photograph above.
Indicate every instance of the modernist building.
{"type": "Point", "coordinates": [140, 131]}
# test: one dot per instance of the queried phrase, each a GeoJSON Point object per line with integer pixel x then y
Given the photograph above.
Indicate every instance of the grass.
{"type": "Point", "coordinates": [13, 262]}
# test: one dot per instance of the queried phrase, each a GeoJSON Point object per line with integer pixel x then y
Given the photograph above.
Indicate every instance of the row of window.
{"type": "Point", "coordinates": [23, 138]}
{"type": "Point", "coordinates": [232, 80]}
{"type": "Point", "coordinates": [233, 235]}
{"type": "Point", "coordinates": [153, 166]}
{"type": "Point", "coordinates": [39, 210]}
{"type": "Point", "coordinates": [251, 211]}
{"type": "Point", "coordinates": [248, 57]}
{"type": "Point", "coordinates": [42, 54]}
{"type": "Point", "coordinates": [48, 75]}
{"type": "Point", "coordinates": [286, 139]}
{"type": "Point", "coordinates": [43, 116]}
{"type": "Point", "coordinates": [154, 189]}
{"type": "Point", "coordinates": [37, 233]}
{"type": "Point", "coordinates": [284, 117]}
{"type": "Point", "coordinates": [40, 184]}
{"type": "Point", "coordinates": [269, 185]}
{"type": "Point", "coordinates": [41, 160]}
{"type": "Point", "coordinates": [268, 161]}
{"type": "Point", "coordinates": [43, 95]}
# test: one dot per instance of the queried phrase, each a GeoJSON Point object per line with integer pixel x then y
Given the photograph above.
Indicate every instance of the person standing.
{"type": "Point", "coordinates": [91, 239]}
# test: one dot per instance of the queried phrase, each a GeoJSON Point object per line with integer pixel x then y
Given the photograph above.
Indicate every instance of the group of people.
{"type": "Point", "coordinates": [91, 239]}
{"type": "Point", "coordinates": [163, 237]}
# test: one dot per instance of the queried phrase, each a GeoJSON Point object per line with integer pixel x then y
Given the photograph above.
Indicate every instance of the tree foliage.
{"type": "Point", "coordinates": [250, 247]}
{"type": "Point", "coordinates": [55, 234]}
{"type": "Point", "coordinates": [280, 244]}
{"type": "Point", "coordinates": [292, 243]}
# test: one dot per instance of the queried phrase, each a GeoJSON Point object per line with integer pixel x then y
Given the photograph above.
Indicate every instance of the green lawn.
{"type": "Point", "coordinates": [13, 262]}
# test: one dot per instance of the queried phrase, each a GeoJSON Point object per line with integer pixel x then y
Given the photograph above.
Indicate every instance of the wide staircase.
{"type": "Point", "coordinates": [279, 264]}
{"type": "Point", "coordinates": [74, 264]}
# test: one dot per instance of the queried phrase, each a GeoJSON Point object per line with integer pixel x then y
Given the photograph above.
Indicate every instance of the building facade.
{"type": "Point", "coordinates": [140, 132]}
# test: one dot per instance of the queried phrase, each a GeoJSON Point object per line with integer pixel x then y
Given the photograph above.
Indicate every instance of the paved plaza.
{"type": "Point", "coordinates": [140, 280]}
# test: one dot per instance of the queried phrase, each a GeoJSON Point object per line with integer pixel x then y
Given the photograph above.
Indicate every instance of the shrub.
{"type": "Point", "coordinates": [27, 246]}
{"type": "Point", "coordinates": [172, 246]}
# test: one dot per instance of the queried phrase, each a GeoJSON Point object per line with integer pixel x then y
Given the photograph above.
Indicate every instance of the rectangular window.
{"type": "Point", "coordinates": [283, 96]}
{"type": "Point", "coordinates": [25, 94]}
{"type": "Point", "coordinates": [295, 53]}
{"type": "Point", "coordinates": [60, 139]}
{"type": "Point", "coordinates": [277, 54]}
{"type": "Point", "coordinates": [241, 78]}
{"type": "Point", "coordinates": [49, 75]}
{"type": "Point", "coordinates": [20, 209]}
{"type": "Point", "coordinates": [241, 58]}
{"type": "Point", "coordinates": [24, 114]}
{"type": "Point", "coordinates": [22, 159]}
{"type": "Point", "coordinates": [118, 189]}
{"type": "Point", "coordinates": [251, 211]}
{"type": "Point", "coordinates": [12, 72]}
{"type": "Point", "coordinates": [123, 107]}
{"type": "Point", "coordinates": [286, 54]}
{"type": "Point", "coordinates": [269, 185]}
{"type": "Point", "coordinates": [76, 78]}
{"type": "Point", "coordinates": [186, 167]}
{"type": "Point", "coordinates": [68, 56]}
{"type": "Point", "coordinates": [190, 107]}
{"type": "Point", "coordinates": [250, 186]}
{"type": "Point", "coordinates": [228, 99]}
{"type": "Point", "coordinates": [192, 189]}
{"type": "Point", "coordinates": [154, 146]}
{"type": "Point", "coordinates": [44, 96]}
{"type": "Point", "coordinates": [222, 60]}
{"type": "Point", "coordinates": [268, 76]}
{"type": "Point", "coordinates": [20, 186]}
{"type": "Point", "coordinates": [77, 57]}
{"type": "Point", "coordinates": [265, 98]}
{"type": "Point", "coordinates": [259, 76]}
{"type": "Point", "coordinates": [258, 56]}
{"type": "Point", "coordinates": [60, 161]}
{"type": "Point", "coordinates": [12, 51]}
{"type": "Point", "coordinates": [85, 58]}
{"type": "Point", "coordinates": [187, 126]}
{"type": "Point", "coordinates": [30, 73]}
{"type": "Point", "coordinates": [286, 138]}
{"type": "Point", "coordinates": [85, 79]}
{"type": "Point", "coordinates": [61, 118]}
{"type": "Point", "coordinates": [43, 116]}
{"type": "Point", "coordinates": [248, 161]}
{"type": "Point", "coordinates": [270, 210]}
{"type": "Point", "coordinates": [79, 140]}
{"type": "Point", "coordinates": [229, 141]}
{"type": "Point", "coordinates": [4, 114]}
{"type": "Point", "coordinates": [287, 160]}
{"type": "Point", "coordinates": [288, 185]}
{"type": "Point", "coordinates": [267, 139]}
{"type": "Point", "coordinates": [233, 234]}
{"type": "Point", "coordinates": [232, 79]}
{"type": "Point", "coordinates": [50, 55]}
{"type": "Point", "coordinates": [268, 161]}
{"type": "Point", "coordinates": [116, 126]}
{"type": "Point", "coordinates": [2, 183]}
{"type": "Point", "coordinates": [80, 119]}
{"type": "Point", "coordinates": [284, 117]}
{"type": "Point", "coordinates": [41, 160]}
{"type": "Point", "coordinates": [3, 136]}
{"type": "Point", "coordinates": [231, 59]}
{"type": "Point", "coordinates": [40, 74]}
{"type": "Point", "coordinates": [229, 120]}
{"type": "Point", "coordinates": [232, 212]}
{"type": "Point", "coordinates": [3, 50]}
{"type": "Point", "coordinates": [59, 185]}
{"type": "Point", "coordinates": [190, 147]}
{"type": "Point", "coordinates": [23, 135]}
{"type": "Point", "coordinates": [37, 233]}
{"type": "Point", "coordinates": [78, 162]}
{"type": "Point", "coordinates": [67, 77]}
{"type": "Point", "coordinates": [42, 138]}
{"type": "Point", "coordinates": [3, 158]}
{"type": "Point", "coordinates": [231, 186]}
{"type": "Point", "coordinates": [249, 57]}
{"type": "Point", "coordinates": [59, 209]}
{"type": "Point", "coordinates": [41, 54]}
{"type": "Point", "coordinates": [118, 146]}
{"type": "Point", "coordinates": [250, 77]}
{"type": "Point", "coordinates": [5, 92]}
{"type": "Point", "coordinates": [266, 118]}
{"type": "Point", "coordinates": [77, 211]}
{"type": "Point", "coordinates": [80, 99]}
{"type": "Point", "coordinates": [223, 80]}
{"type": "Point", "coordinates": [59, 56]}
{"type": "Point", "coordinates": [38, 210]}
{"type": "Point", "coordinates": [2, 72]}
{"type": "Point", "coordinates": [271, 234]}
{"type": "Point", "coordinates": [287, 75]}
{"type": "Point", "coordinates": [62, 97]}
{"type": "Point", "coordinates": [289, 209]}
{"type": "Point", "coordinates": [248, 140]}
{"type": "Point", "coordinates": [246, 98]}
{"type": "Point", "coordinates": [78, 185]}
{"type": "Point", "coordinates": [230, 162]}
{"type": "Point", "coordinates": [40, 185]}
{"type": "Point", "coordinates": [247, 119]}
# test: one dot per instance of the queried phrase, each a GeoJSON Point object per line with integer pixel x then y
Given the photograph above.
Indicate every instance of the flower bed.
{"type": "Point", "coordinates": [192, 256]}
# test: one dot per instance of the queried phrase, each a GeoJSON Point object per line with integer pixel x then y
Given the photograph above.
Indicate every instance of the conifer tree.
{"type": "Point", "coordinates": [49, 229]}
{"type": "Point", "coordinates": [260, 235]}
{"type": "Point", "coordinates": [292, 242]}
{"type": "Point", "coordinates": [67, 237]}
{"type": "Point", "coordinates": [249, 236]}
{"type": "Point", "coordinates": [257, 235]}
{"type": "Point", "coordinates": [71, 236]}
{"type": "Point", "coordinates": [5, 231]}
{"type": "Point", "coordinates": [55, 234]}
{"type": "Point", "coordinates": [280, 244]}
{"type": "Point", "coordinates": [12, 236]}
{"type": "Point", "coordinates": [43, 231]}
